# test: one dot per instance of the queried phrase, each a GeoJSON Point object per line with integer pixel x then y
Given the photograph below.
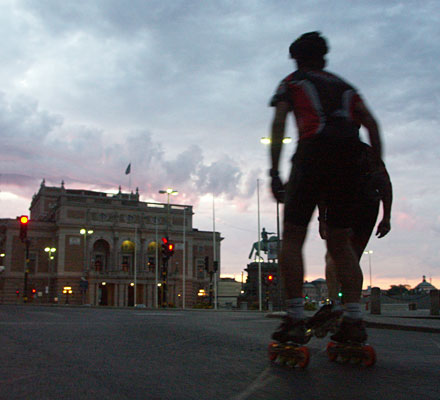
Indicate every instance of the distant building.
{"type": "Point", "coordinates": [321, 288]}
{"type": "Point", "coordinates": [100, 266]}
{"type": "Point", "coordinates": [424, 287]}
{"type": "Point", "coordinates": [316, 290]}
{"type": "Point", "coordinates": [228, 292]}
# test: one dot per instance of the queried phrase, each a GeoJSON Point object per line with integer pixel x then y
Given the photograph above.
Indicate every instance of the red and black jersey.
{"type": "Point", "coordinates": [322, 103]}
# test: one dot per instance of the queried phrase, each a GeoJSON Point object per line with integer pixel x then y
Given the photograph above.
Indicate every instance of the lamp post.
{"type": "Point", "coordinates": [268, 141]}
{"type": "Point", "coordinates": [169, 192]}
{"type": "Point", "coordinates": [164, 288]}
{"type": "Point", "coordinates": [49, 251]}
{"type": "Point", "coordinates": [369, 252]}
{"type": "Point", "coordinates": [85, 233]}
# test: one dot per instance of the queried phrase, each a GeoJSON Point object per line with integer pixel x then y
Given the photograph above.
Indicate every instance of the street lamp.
{"type": "Point", "coordinates": [85, 233]}
{"type": "Point", "coordinates": [49, 251]}
{"type": "Point", "coordinates": [169, 192]}
{"type": "Point", "coordinates": [369, 252]}
{"type": "Point", "coordinates": [268, 140]}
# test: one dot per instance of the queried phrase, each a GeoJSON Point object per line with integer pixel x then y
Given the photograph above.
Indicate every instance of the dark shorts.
{"type": "Point", "coordinates": [365, 218]}
{"type": "Point", "coordinates": [325, 170]}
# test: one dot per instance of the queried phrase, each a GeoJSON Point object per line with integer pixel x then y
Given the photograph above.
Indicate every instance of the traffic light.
{"type": "Point", "coordinates": [17, 292]}
{"type": "Point", "coordinates": [207, 263]}
{"type": "Point", "coordinates": [340, 294]}
{"type": "Point", "coordinates": [23, 227]}
{"type": "Point", "coordinates": [34, 291]}
{"type": "Point", "coordinates": [269, 279]}
{"type": "Point", "coordinates": [165, 248]}
{"type": "Point", "coordinates": [170, 249]}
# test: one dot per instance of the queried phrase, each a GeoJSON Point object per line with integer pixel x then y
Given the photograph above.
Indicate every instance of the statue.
{"type": "Point", "coordinates": [264, 243]}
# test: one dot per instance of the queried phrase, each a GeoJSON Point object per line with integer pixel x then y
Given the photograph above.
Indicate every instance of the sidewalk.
{"type": "Point", "coordinates": [417, 320]}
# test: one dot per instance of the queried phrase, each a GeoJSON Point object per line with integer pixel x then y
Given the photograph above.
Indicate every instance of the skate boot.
{"type": "Point", "coordinates": [349, 344]}
{"type": "Point", "coordinates": [350, 330]}
{"type": "Point", "coordinates": [291, 330]}
{"type": "Point", "coordinates": [324, 320]}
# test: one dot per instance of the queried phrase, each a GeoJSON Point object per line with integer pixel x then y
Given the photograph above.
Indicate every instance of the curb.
{"type": "Point", "coordinates": [378, 325]}
{"type": "Point", "coordinates": [384, 325]}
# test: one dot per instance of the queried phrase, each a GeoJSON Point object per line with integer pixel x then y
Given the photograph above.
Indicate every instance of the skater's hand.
{"type": "Point", "coordinates": [383, 228]}
{"type": "Point", "coordinates": [278, 190]}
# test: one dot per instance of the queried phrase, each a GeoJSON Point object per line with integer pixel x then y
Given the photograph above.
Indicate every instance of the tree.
{"type": "Point", "coordinates": [398, 290]}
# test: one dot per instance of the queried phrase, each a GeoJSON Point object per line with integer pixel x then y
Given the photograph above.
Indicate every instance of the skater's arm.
{"type": "Point", "coordinates": [386, 193]}
{"type": "Point", "coordinates": [369, 122]}
{"type": "Point", "coordinates": [278, 131]}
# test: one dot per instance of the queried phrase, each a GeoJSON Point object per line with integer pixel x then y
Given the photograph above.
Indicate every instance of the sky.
{"type": "Point", "coordinates": [180, 89]}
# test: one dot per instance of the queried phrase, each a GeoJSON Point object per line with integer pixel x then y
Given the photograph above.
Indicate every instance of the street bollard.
{"type": "Point", "coordinates": [375, 301]}
{"type": "Point", "coordinates": [435, 302]}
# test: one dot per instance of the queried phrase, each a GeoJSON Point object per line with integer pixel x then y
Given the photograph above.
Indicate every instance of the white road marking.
{"type": "Point", "coordinates": [262, 380]}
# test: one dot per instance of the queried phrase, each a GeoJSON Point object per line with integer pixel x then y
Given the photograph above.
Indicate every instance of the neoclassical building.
{"type": "Point", "coordinates": [107, 249]}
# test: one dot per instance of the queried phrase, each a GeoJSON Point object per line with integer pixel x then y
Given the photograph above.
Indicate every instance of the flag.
{"type": "Point", "coordinates": [128, 169]}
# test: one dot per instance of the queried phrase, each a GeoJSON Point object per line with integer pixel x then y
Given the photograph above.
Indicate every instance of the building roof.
{"type": "Point", "coordinates": [425, 285]}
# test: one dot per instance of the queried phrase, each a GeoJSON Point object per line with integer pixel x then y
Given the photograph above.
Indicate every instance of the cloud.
{"type": "Point", "coordinates": [39, 145]}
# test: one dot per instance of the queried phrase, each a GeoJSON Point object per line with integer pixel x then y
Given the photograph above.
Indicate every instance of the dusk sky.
{"type": "Point", "coordinates": [181, 89]}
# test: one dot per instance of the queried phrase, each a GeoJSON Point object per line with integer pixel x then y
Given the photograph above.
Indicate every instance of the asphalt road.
{"type": "Point", "coordinates": [80, 353]}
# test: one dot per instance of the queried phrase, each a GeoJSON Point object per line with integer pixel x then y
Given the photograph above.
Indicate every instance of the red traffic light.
{"type": "Point", "coordinates": [164, 240]}
{"type": "Point", "coordinates": [270, 278]}
{"type": "Point", "coordinates": [24, 219]}
{"type": "Point", "coordinates": [34, 291]}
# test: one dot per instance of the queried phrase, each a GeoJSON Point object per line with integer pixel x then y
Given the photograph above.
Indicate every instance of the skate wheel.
{"type": "Point", "coordinates": [343, 359]}
{"type": "Point", "coordinates": [291, 362]}
{"type": "Point", "coordinates": [305, 357]}
{"type": "Point", "coordinates": [332, 355]}
{"type": "Point", "coordinates": [370, 355]}
{"type": "Point", "coordinates": [355, 360]}
{"type": "Point", "coordinates": [271, 351]}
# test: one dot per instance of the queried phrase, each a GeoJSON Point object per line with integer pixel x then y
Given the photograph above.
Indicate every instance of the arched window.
{"type": "Point", "coordinates": [100, 257]}
{"type": "Point", "coordinates": [127, 255]}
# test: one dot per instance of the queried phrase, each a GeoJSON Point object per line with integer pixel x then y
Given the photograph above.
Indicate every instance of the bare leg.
{"type": "Point", "coordinates": [347, 263]}
{"type": "Point", "coordinates": [331, 278]}
{"type": "Point", "coordinates": [291, 260]}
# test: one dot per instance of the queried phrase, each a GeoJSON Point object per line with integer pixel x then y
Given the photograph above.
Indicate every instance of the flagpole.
{"type": "Point", "coordinates": [156, 266]}
{"type": "Point", "coordinates": [184, 259]}
{"type": "Point", "coordinates": [260, 292]}
{"type": "Point", "coordinates": [214, 252]}
{"type": "Point", "coordinates": [135, 264]}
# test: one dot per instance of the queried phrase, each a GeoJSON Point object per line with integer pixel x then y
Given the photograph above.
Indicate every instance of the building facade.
{"type": "Point", "coordinates": [107, 248]}
{"type": "Point", "coordinates": [228, 292]}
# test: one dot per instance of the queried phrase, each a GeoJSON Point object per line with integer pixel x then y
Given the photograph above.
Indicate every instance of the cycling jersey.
{"type": "Point", "coordinates": [323, 104]}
